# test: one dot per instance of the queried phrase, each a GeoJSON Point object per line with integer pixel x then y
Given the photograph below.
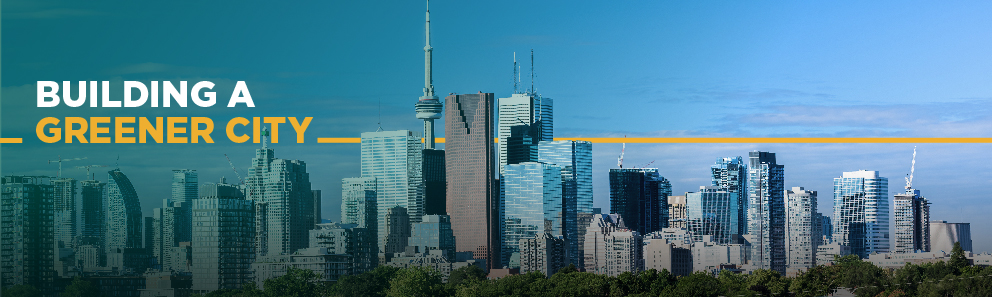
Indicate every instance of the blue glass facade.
{"type": "Point", "coordinates": [532, 204]}
{"type": "Point", "coordinates": [713, 211]}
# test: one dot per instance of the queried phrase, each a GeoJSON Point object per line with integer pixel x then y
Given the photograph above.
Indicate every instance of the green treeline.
{"type": "Point", "coordinates": [953, 278]}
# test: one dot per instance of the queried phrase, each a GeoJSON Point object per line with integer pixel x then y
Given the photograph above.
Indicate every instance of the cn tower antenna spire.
{"type": "Point", "coordinates": [428, 80]}
{"type": "Point", "coordinates": [428, 108]}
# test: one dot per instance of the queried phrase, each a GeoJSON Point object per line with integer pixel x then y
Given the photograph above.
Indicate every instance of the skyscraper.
{"type": "Point", "coordinates": [394, 159]}
{"type": "Point", "coordinates": [65, 212]}
{"type": "Point", "coordinates": [397, 229]}
{"type": "Point", "coordinates": [281, 189]}
{"type": "Point", "coordinates": [470, 170]}
{"type": "Point", "coordinates": [223, 238]}
{"type": "Point", "coordinates": [124, 218]}
{"type": "Point", "coordinates": [677, 212]}
{"type": "Point", "coordinates": [433, 232]}
{"type": "Point", "coordinates": [713, 211]}
{"type": "Point", "coordinates": [92, 218]}
{"type": "Point", "coordinates": [185, 186]}
{"type": "Point", "coordinates": [766, 214]}
{"type": "Point", "coordinates": [435, 182]}
{"type": "Point", "coordinates": [316, 206]}
{"type": "Point", "coordinates": [532, 116]}
{"type": "Point", "coordinates": [861, 212]}
{"type": "Point", "coordinates": [731, 174]}
{"type": "Point", "coordinates": [358, 203]}
{"type": "Point", "coordinates": [532, 204]}
{"type": "Point", "coordinates": [912, 219]}
{"type": "Point", "coordinates": [640, 196]}
{"type": "Point", "coordinates": [943, 235]}
{"type": "Point", "coordinates": [169, 228]}
{"type": "Point", "coordinates": [610, 248]}
{"type": "Point", "coordinates": [544, 253]}
{"type": "Point", "coordinates": [803, 224]}
{"type": "Point", "coordinates": [28, 243]}
{"type": "Point", "coordinates": [359, 245]}
{"type": "Point", "coordinates": [577, 192]}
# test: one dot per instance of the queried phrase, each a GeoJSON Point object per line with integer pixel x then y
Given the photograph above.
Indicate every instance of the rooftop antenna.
{"type": "Point", "coordinates": [912, 169]}
{"type": "Point", "coordinates": [532, 90]}
{"type": "Point", "coordinates": [117, 164]}
{"type": "Point", "coordinates": [380, 116]}
{"type": "Point", "coordinates": [515, 74]}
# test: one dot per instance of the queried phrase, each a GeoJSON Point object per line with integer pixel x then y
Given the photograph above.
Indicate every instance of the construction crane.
{"type": "Point", "coordinates": [648, 164]}
{"type": "Point", "coordinates": [912, 169]}
{"type": "Point", "coordinates": [88, 169]}
{"type": "Point", "coordinates": [235, 169]}
{"type": "Point", "coordinates": [60, 160]}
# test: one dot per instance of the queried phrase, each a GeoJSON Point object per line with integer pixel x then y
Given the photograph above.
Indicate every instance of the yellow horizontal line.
{"type": "Point", "coordinates": [783, 139]}
{"type": "Point", "coordinates": [11, 140]}
{"type": "Point", "coordinates": [724, 139]}
{"type": "Point", "coordinates": [339, 140]}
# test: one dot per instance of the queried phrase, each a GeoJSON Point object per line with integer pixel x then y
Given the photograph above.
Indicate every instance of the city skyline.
{"type": "Point", "coordinates": [941, 173]}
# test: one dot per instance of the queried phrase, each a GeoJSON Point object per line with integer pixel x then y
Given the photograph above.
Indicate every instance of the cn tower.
{"type": "Point", "coordinates": [429, 107]}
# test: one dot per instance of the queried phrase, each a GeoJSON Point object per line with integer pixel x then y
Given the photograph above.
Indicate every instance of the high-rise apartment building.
{"type": "Point", "coordinates": [545, 253]}
{"type": "Point", "coordinates": [65, 212]}
{"type": "Point", "coordinates": [532, 204]}
{"type": "Point", "coordinates": [358, 203]}
{"type": "Point", "coordinates": [912, 220]}
{"type": "Point", "coordinates": [532, 116]}
{"type": "Point", "coordinates": [317, 217]}
{"type": "Point", "coordinates": [611, 248]}
{"type": "Point", "coordinates": [943, 235]}
{"type": "Point", "coordinates": [394, 159]}
{"type": "Point", "coordinates": [185, 184]}
{"type": "Point", "coordinates": [280, 188]}
{"type": "Point", "coordinates": [713, 211]}
{"type": "Point", "coordinates": [433, 232]}
{"type": "Point", "coordinates": [223, 238]}
{"type": "Point", "coordinates": [803, 225]}
{"type": "Point", "coordinates": [470, 169]}
{"type": "Point", "coordinates": [124, 219]}
{"type": "Point", "coordinates": [678, 215]}
{"type": "Point", "coordinates": [640, 196]}
{"type": "Point", "coordinates": [27, 248]}
{"type": "Point", "coordinates": [766, 213]}
{"type": "Point", "coordinates": [92, 217]}
{"type": "Point", "coordinates": [861, 212]}
{"type": "Point", "coordinates": [169, 227]}
{"type": "Point", "coordinates": [731, 174]}
{"type": "Point", "coordinates": [358, 244]}
{"type": "Point", "coordinates": [397, 229]}
{"type": "Point", "coordinates": [576, 188]}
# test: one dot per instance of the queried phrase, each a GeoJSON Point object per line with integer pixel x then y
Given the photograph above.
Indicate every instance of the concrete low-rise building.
{"type": "Point", "coordinates": [826, 253]}
{"type": "Point", "coordinates": [662, 254]}
{"type": "Point", "coordinates": [167, 284]}
{"type": "Point", "coordinates": [328, 265]}
{"type": "Point", "coordinates": [709, 256]}
{"type": "Point", "coordinates": [898, 260]}
{"type": "Point", "coordinates": [433, 259]}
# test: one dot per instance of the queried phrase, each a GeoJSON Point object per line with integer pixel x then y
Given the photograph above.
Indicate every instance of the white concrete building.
{"type": "Point", "coordinates": [803, 226]}
{"type": "Point", "coordinates": [611, 248]}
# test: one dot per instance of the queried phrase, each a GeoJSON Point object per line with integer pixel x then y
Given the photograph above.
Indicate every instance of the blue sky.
{"type": "Point", "coordinates": [636, 68]}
